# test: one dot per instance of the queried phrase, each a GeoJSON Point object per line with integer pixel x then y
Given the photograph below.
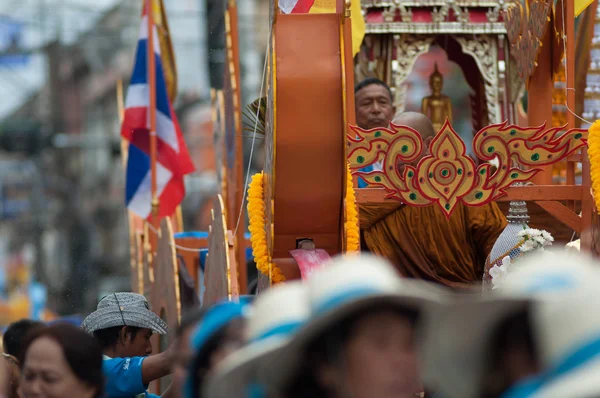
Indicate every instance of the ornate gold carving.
{"type": "Point", "coordinates": [525, 27]}
{"type": "Point", "coordinates": [484, 51]}
{"type": "Point", "coordinates": [439, 28]}
{"type": "Point", "coordinates": [462, 14]}
{"type": "Point", "coordinates": [447, 175]}
{"type": "Point", "coordinates": [493, 14]}
{"type": "Point", "coordinates": [406, 13]}
{"type": "Point", "coordinates": [439, 14]}
{"type": "Point", "coordinates": [408, 49]}
{"type": "Point", "coordinates": [389, 14]}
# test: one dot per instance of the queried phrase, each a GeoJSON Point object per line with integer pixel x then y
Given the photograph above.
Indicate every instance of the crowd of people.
{"type": "Point", "coordinates": [354, 328]}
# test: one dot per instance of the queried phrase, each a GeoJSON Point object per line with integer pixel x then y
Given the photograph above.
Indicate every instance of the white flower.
{"type": "Point", "coordinates": [498, 273]}
{"type": "Point", "coordinates": [547, 236]}
{"type": "Point", "coordinates": [527, 246]}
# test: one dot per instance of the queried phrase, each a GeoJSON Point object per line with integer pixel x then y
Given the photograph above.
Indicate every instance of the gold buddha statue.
{"type": "Point", "coordinates": [437, 106]}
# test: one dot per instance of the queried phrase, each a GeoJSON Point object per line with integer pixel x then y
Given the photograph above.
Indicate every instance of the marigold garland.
{"type": "Point", "coordinates": [352, 229]}
{"type": "Point", "coordinates": [594, 156]}
{"type": "Point", "coordinates": [258, 234]}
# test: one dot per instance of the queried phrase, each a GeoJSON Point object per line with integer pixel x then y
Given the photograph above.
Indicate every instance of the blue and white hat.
{"type": "Point", "coordinates": [559, 291]}
{"type": "Point", "coordinates": [276, 315]}
{"type": "Point", "coordinates": [342, 288]}
{"type": "Point", "coordinates": [215, 319]}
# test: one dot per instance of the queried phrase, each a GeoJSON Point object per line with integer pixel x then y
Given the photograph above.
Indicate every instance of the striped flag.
{"type": "Point", "coordinates": [172, 158]}
{"type": "Point", "coordinates": [295, 6]}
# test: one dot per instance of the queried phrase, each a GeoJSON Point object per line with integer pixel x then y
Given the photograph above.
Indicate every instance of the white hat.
{"type": "Point", "coordinates": [557, 291]}
{"type": "Point", "coordinates": [275, 316]}
{"type": "Point", "coordinates": [344, 287]}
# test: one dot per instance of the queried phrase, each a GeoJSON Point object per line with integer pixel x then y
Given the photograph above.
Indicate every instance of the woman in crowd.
{"type": "Point", "coordinates": [62, 361]}
{"type": "Point", "coordinates": [360, 338]}
{"type": "Point", "coordinates": [220, 333]}
{"type": "Point", "coordinates": [12, 376]}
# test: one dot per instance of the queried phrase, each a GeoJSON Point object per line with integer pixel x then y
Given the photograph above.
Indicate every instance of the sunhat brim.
{"type": "Point", "coordinates": [460, 334]}
{"type": "Point", "coordinates": [109, 317]}
{"type": "Point", "coordinates": [243, 368]}
{"type": "Point", "coordinates": [582, 382]}
{"type": "Point", "coordinates": [282, 366]}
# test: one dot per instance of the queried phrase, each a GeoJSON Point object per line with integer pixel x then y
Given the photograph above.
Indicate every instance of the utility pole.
{"type": "Point", "coordinates": [215, 17]}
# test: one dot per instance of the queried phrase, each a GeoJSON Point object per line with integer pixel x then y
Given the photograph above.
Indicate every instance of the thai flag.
{"type": "Point", "coordinates": [172, 157]}
{"type": "Point", "coordinates": [295, 6]}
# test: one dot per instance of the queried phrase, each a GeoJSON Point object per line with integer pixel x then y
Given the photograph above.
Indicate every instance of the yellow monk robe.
{"type": "Point", "coordinates": [423, 244]}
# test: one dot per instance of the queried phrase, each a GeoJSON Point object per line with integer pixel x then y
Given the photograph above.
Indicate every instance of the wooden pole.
{"type": "Point", "coordinates": [152, 109]}
{"type": "Point", "coordinates": [540, 88]}
{"type": "Point", "coordinates": [233, 49]}
{"type": "Point", "coordinates": [587, 204]}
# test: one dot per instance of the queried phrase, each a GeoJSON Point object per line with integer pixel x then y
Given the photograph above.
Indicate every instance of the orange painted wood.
{"type": "Point", "coordinates": [562, 213]}
{"type": "Point", "coordinates": [308, 177]}
{"type": "Point", "coordinates": [239, 189]}
{"type": "Point", "coordinates": [539, 90]}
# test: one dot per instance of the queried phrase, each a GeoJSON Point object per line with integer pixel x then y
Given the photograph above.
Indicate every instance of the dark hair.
{"type": "Point", "coordinates": [16, 334]}
{"type": "Point", "coordinates": [201, 363]}
{"type": "Point", "coordinates": [369, 81]}
{"type": "Point", "coordinates": [190, 319]}
{"type": "Point", "coordinates": [515, 332]}
{"type": "Point", "coordinates": [81, 351]}
{"type": "Point", "coordinates": [110, 336]}
{"type": "Point", "coordinates": [326, 349]}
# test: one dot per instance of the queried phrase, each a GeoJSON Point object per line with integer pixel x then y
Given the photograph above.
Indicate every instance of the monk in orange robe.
{"type": "Point", "coordinates": [421, 241]}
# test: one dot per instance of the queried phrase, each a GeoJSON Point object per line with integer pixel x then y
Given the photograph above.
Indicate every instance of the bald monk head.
{"type": "Point", "coordinates": [422, 125]}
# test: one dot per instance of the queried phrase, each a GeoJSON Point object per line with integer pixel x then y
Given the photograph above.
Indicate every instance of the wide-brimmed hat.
{"type": "Point", "coordinates": [347, 286]}
{"type": "Point", "coordinates": [124, 309]}
{"type": "Point", "coordinates": [276, 315]}
{"type": "Point", "coordinates": [456, 348]}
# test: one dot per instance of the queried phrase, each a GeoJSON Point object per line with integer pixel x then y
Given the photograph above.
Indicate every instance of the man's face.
{"type": "Point", "coordinates": [380, 358]}
{"type": "Point", "coordinates": [138, 346]}
{"type": "Point", "coordinates": [374, 107]}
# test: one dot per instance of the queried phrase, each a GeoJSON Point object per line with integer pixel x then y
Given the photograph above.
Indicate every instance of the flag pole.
{"type": "Point", "coordinates": [152, 109]}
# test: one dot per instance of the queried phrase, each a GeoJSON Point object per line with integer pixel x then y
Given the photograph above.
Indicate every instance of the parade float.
{"type": "Point", "coordinates": [499, 48]}
{"type": "Point", "coordinates": [293, 231]}
{"type": "Point", "coordinates": [304, 207]}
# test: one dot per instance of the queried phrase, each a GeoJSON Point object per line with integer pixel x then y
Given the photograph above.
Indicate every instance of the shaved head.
{"type": "Point", "coordinates": [417, 121]}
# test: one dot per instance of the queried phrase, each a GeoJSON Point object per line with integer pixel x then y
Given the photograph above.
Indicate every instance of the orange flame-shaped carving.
{"type": "Point", "coordinates": [447, 175]}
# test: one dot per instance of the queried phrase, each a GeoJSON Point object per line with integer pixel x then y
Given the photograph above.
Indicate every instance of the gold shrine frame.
{"type": "Point", "coordinates": [447, 175]}
{"type": "Point", "coordinates": [408, 47]}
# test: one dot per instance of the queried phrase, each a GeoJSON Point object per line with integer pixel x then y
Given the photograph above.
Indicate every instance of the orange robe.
{"type": "Point", "coordinates": [423, 244]}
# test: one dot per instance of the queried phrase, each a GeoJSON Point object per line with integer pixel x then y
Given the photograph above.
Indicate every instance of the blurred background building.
{"type": "Point", "coordinates": [62, 213]}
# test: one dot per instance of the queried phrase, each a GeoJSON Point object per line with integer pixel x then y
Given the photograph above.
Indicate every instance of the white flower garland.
{"type": "Point", "coordinates": [534, 240]}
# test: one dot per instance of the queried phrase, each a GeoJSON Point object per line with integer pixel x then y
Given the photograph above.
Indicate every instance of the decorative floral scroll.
{"type": "Point", "coordinates": [446, 175]}
{"type": "Point", "coordinates": [525, 28]}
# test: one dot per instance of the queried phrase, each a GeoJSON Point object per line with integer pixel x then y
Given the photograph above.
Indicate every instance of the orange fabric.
{"type": "Point", "coordinates": [423, 244]}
